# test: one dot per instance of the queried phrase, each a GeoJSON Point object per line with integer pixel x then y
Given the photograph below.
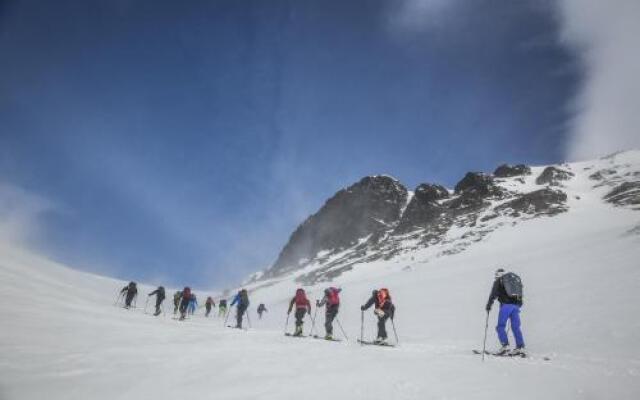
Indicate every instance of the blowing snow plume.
{"type": "Point", "coordinates": [604, 33]}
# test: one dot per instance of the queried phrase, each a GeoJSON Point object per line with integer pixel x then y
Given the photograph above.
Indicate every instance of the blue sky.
{"type": "Point", "coordinates": [182, 142]}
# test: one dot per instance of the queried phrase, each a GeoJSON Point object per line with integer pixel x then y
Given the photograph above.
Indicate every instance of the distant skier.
{"type": "Point", "coordinates": [193, 303]}
{"type": "Point", "coordinates": [222, 308]}
{"type": "Point", "coordinates": [177, 296]}
{"type": "Point", "coordinates": [332, 300]}
{"type": "Point", "coordinates": [242, 299]}
{"type": "Point", "coordinates": [302, 307]}
{"type": "Point", "coordinates": [507, 288]}
{"type": "Point", "coordinates": [130, 292]}
{"type": "Point", "coordinates": [159, 293]}
{"type": "Point", "coordinates": [184, 302]}
{"type": "Point", "coordinates": [208, 304]}
{"type": "Point", "coordinates": [384, 309]}
{"type": "Point", "coordinates": [261, 308]}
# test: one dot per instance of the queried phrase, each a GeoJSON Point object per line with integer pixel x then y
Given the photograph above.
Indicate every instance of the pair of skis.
{"type": "Point", "coordinates": [508, 355]}
{"type": "Point", "coordinates": [313, 337]}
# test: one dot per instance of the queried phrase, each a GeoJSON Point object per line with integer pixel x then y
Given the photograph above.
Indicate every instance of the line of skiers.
{"type": "Point", "coordinates": [507, 289]}
{"type": "Point", "coordinates": [384, 309]}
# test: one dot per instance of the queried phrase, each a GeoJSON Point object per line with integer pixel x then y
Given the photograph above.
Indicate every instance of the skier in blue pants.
{"type": "Point", "coordinates": [193, 303]}
{"type": "Point", "coordinates": [509, 310]}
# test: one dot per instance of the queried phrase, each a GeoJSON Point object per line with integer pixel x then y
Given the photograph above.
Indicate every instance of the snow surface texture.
{"type": "Point", "coordinates": [62, 338]}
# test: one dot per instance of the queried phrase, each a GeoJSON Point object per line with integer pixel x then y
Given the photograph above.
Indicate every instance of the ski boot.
{"type": "Point", "coordinates": [380, 340]}
{"type": "Point", "coordinates": [518, 352]}
{"type": "Point", "coordinates": [298, 331]}
{"type": "Point", "coordinates": [328, 336]}
{"type": "Point", "coordinates": [503, 351]}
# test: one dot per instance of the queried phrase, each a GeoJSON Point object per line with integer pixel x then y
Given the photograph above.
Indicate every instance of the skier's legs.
{"type": "Point", "coordinates": [300, 312]}
{"type": "Point", "coordinates": [503, 316]}
{"type": "Point", "coordinates": [515, 326]}
{"type": "Point", "coordinates": [382, 328]}
{"type": "Point", "coordinates": [158, 302]}
{"type": "Point", "coordinates": [128, 300]}
{"type": "Point", "coordinates": [329, 317]}
{"type": "Point", "coordinates": [239, 315]}
{"type": "Point", "coordinates": [183, 309]}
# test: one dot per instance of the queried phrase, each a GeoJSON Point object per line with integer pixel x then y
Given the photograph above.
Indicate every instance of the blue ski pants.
{"type": "Point", "coordinates": [509, 312]}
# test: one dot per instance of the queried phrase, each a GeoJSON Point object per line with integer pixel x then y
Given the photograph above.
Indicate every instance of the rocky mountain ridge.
{"type": "Point", "coordinates": [379, 218]}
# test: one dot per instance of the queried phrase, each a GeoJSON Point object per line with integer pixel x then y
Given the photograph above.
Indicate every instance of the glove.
{"type": "Point", "coordinates": [488, 308]}
{"type": "Point", "coordinates": [361, 308]}
{"type": "Point", "coordinates": [317, 303]}
{"type": "Point", "coordinates": [288, 312]}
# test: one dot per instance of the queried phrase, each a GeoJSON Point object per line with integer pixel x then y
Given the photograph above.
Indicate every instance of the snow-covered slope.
{"type": "Point", "coordinates": [63, 339]}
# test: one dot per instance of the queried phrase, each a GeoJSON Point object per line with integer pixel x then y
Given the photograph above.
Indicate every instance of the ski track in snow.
{"type": "Point", "coordinates": [62, 338]}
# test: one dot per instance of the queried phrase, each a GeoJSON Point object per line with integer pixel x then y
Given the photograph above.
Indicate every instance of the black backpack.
{"type": "Point", "coordinates": [244, 297]}
{"type": "Point", "coordinates": [512, 285]}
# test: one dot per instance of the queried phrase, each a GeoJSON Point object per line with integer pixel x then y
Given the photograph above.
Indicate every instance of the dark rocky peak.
{"type": "Point", "coordinates": [476, 182]}
{"type": "Point", "coordinates": [508, 171]}
{"type": "Point", "coordinates": [370, 206]}
{"type": "Point", "coordinates": [423, 211]}
{"type": "Point", "coordinates": [553, 176]}
{"type": "Point", "coordinates": [380, 185]}
{"type": "Point", "coordinates": [426, 193]}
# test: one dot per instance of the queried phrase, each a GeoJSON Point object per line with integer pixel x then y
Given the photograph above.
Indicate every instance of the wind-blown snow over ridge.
{"type": "Point", "coordinates": [66, 340]}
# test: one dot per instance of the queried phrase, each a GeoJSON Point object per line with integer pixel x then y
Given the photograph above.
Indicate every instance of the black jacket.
{"type": "Point", "coordinates": [159, 292]}
{"type": "Point", "coordinates": [498, 292]}
{"type": "Point", "coordinates": [387, 307]}
{"type": "Point", "coordinates": [130, 290]}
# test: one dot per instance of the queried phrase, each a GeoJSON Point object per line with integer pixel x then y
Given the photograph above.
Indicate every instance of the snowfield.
{"type": "Point", "coordinates": [62, 337]}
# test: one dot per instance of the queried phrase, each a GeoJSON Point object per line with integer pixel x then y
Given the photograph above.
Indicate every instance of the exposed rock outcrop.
{"type": "Point", "coordinates": [541, 202]}
{"type": "Point", "coordinates": [423, 210]}
{"type": "Point", "coordinates": [625, 194]}
{"type": "Point", "coordinates": [508, 171]}
{"type": "Point", "coordinates": [553, 176]}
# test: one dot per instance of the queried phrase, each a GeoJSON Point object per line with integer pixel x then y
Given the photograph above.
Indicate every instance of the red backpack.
{"type": "Point", "coordinates": [332, 296]}
{"type": "Point", "coordinates": [301, 299]}
{"type": "Point", "coordinates": [383, 297]}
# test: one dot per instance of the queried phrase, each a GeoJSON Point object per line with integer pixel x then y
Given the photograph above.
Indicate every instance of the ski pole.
{"type": "Point", "coordinates": [361, 328]}
{"type": "Point", "coordinates": [120, 295]}
{"type": "Point", "coordinates": [286, 324]}
{"type": "Point", "coordinates": [313, 320]}
{"type": "Point", "coordinates": [484, 343]}
{"type": "Point", "coordinates": [393, 325]}
{"type": "Point", "coordinates": [146, 303]}
{"type": "Point", "coordinates": [226, 318]}
{"type": "Point", "coordinates": [343, 332]}
{"type": "Point", "coordinates": [248, 318]}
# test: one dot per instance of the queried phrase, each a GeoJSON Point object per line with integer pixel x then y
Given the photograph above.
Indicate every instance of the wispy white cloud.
{"type": "Point", "coordinates": [607, 114]}
{"type": "Point", "coordinates": [410, 16]}
{"type": "Point", "coordinates": [19, 214]}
